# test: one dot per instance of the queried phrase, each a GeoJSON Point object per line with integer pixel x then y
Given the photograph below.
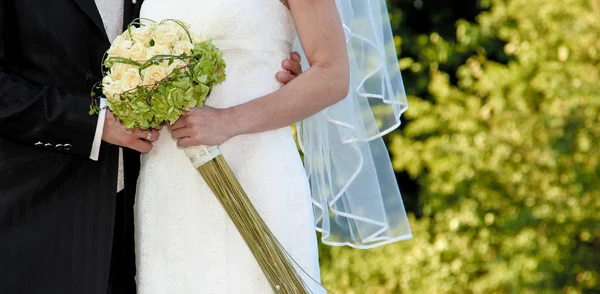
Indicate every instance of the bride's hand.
{"type": "Point", "coordinates": [203, 126]}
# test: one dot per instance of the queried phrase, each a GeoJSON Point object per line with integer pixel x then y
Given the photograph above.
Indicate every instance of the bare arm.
{"type": "Point", "coordinates": [325, 83]}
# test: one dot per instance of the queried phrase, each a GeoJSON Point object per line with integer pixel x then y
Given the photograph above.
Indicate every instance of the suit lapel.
{"type": "Point", "coordinates": [90, 9]}
{"type": "Point", "coordinates": [131, 12]}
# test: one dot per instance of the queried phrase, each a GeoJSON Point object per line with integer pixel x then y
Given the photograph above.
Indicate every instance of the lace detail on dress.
{"type": "Point", "coordinates": [145, 210]}
{"type": "Point", "coordinates": [176, 219]}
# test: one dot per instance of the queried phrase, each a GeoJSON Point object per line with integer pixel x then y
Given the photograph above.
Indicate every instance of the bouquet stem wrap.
{"type": "Point", "coordinates": [272, 258]}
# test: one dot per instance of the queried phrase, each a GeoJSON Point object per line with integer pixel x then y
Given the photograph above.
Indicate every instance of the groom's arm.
{"type": "Point", "coordinates": [50, 117]}
{"type": "Point", "coordinates": [45, 116]}
{"type": "Point", "coordinates": [42, 116]}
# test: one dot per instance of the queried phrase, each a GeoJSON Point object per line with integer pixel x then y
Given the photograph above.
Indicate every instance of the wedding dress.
{"type": "Point", "coordinates": [185, 242]}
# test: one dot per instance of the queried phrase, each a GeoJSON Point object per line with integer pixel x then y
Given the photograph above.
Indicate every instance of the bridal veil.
{"type": "Point", "coordinates": [355, 194]}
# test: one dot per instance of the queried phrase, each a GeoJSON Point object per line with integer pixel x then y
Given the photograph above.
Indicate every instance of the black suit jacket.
{"type": "Point", "coordinates": [57, 207]}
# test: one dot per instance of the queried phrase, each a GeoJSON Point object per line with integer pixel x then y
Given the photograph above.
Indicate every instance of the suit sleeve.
{"type": "Point", "coordinates": [42, 116]}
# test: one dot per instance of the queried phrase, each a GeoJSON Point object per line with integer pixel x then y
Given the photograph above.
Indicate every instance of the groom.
{"type": "Point", "coordinates": [63, 226]}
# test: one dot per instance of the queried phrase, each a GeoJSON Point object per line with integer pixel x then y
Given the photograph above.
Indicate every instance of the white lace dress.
{"type": "Point", "coordinates": [185, 242]}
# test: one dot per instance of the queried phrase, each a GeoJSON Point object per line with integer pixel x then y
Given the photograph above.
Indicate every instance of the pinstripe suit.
{"type": "Point", "coordinates": [57, 207]}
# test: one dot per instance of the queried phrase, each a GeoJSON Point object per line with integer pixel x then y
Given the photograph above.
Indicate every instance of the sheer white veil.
{"type": "Point", "coordinates": [356, 198]}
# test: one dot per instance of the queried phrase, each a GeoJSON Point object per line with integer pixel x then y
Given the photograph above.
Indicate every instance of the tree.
{"type": "Point", "coordinates": [503, 153]}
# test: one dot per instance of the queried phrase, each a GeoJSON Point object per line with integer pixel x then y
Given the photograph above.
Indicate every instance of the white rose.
{"type": "Point", "coordinates": [166, 34]}
{"type": "Point", "coordinates": [157, 50]}
{"type": "Point", "coordinates": [120, 47]}
{"type": "Point", "coordinates": [118, 69]}
{"type": "Point", "coordinates": [130, 79]}
{"type": "Point", "coordinates": [111, 88]}
{"type": "Point", "coordinates": [138, 52]}
{"type": "Point", "coordinates": [181, 32]}
{"type": "Point", "coordinates": [142, 34]}
{"type": "Point", "coordinates": [184, 46]}
{"type": "Point", "coordinates": [154, 74]}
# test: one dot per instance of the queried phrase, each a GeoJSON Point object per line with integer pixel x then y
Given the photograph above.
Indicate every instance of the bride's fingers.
{"type": "Point", "coordinates": [187, 142]}
{"type": "Point", "coordinates": [181, 133]}
{"type": "Point", "coordinates": [180, 123]}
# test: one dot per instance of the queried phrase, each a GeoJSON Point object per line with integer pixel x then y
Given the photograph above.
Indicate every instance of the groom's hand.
{"type": "Point", "coordinates": [117, 134]}
{"type": "Point", "coordinates": [292, 67]}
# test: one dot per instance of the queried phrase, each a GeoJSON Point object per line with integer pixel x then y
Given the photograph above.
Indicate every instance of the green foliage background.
{"type": "Point", "coordinates": [497, 157]}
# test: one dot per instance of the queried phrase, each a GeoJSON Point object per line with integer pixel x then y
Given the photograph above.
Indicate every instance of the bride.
{"type": "Point", "coordinates": [185, 242]}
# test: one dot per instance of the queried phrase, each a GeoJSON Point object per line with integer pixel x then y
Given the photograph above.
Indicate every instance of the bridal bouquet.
{"type": "Point", "coordinates": [155, 73]}
{"type": "Point", "coordinates": [158, 71]}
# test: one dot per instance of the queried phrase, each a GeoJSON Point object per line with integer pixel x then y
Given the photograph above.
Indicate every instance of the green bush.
{"type": "Point", "coordinates": [504, 151]}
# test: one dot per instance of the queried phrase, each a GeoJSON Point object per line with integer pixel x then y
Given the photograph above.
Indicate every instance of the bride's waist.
{"type": "Point", "coordinates": [244, 84]}
{"type": "Point", "coordinates": [249, 74]}
{"type": "Point", "coordinates": [260, 44]}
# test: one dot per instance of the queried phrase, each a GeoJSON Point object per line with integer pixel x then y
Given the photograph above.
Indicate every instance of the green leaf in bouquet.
{"type": "Point", "coordinates": [112, 60]}
{"type": "Point", "coordinates": [156, 60]}
{"type": "Point", "coordinates": [94, 109]}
